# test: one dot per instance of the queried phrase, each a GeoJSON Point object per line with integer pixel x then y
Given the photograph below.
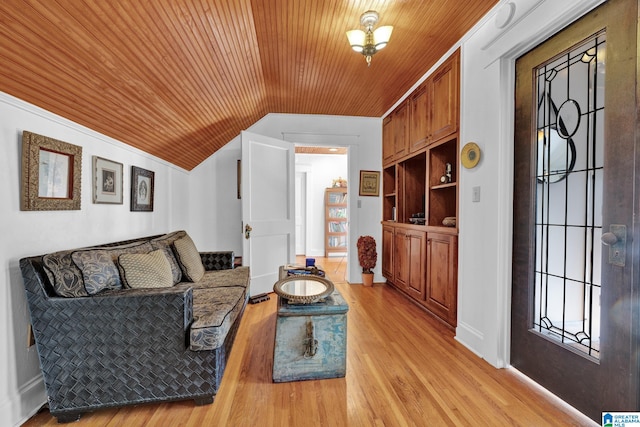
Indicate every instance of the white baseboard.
{"type": "Point", "coordinates": [470, 338]}
{"type": "Point", "coordinates": [27, 403]}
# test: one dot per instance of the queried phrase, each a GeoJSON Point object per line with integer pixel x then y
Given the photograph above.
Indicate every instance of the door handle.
{"type": "Point", "coordinates": [247, 231]}
{"type": "Point", "coordinates": [609, 239]}
{"type": "Point", "coordinates": [616, 239]}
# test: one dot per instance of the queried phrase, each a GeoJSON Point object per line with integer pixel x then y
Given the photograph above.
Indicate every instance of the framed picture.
{"type": "Point", "coordinates": [369, 183]}
{"type": "Point", "coordinates": [141, 189]}
{"type": "Point", "coordinates": [107, 181]}
{"type": "Point", "coordinates": [51, 174]}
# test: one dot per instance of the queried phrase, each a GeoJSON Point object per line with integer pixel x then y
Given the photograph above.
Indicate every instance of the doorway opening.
{"type": "Point", "coordinates": [321, 205]}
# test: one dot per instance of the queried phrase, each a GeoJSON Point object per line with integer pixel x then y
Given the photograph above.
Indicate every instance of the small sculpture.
{"type": "Point", "coordinates": [339, 183]}
{"type": "Point", "coordinates": [446, 178]}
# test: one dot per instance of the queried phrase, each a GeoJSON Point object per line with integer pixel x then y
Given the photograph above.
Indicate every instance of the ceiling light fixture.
{"type": "Point", "coordinates": [369, 41]}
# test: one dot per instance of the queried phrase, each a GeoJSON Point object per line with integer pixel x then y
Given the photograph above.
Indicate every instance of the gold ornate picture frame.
{"type": "Point", "coordinates": [51, 174]}
{"type": "Point", "coordinates": [369, 183]}
{"type": "Point", "coordinates": [107, 181]}
{"type": "Point", "coordinates": [141, 189]}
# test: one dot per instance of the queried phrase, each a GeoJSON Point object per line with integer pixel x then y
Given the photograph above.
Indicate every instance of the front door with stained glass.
{"type": "Point", "coordinates": [575, 141]}
{"type": "Point", "coordinates": [568, 223]}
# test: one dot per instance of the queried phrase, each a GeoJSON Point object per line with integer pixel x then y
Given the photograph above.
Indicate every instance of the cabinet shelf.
{"type": "Point", "coordinates": [443, 229]}
{"type": "Point", "coordinates": [441, 186]}
{"type": "Point", "coordinates": [443, 198]}
{"type": "Point", "coordinates": [389, 189]}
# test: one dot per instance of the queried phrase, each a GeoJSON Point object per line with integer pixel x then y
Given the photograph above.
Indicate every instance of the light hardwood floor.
{"type": "Point", "coordinates": [404, 368]}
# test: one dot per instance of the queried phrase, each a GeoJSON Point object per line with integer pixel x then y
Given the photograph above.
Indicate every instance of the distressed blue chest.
{"type": "Point", "coordinates": [311, 340]}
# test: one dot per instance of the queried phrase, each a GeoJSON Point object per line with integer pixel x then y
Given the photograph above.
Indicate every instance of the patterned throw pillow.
{"type": "Point", "coordinates": [98, 270]}
{"type": "Point", "coordinates": [189, 258]}
{"type": "Point", "coordinates": [165, 242]}
{"type": "Point", "coordinates": [64, 275]}
{"type": "Point", "coordinates": [176, 272]}
{"type": "Point", "coordinates": [150, 270]}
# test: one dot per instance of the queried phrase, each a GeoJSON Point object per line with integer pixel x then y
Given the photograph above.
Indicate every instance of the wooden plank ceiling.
{"type": "Point", "coordinates": [181, 78]}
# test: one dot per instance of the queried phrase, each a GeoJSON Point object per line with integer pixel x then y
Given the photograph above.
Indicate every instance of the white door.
{"type": "Point", "coordinates": [267, 208]}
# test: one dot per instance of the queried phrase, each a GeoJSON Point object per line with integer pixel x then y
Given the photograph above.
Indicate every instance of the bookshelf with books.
{"type": "Point", "coordinates": [335, 201]}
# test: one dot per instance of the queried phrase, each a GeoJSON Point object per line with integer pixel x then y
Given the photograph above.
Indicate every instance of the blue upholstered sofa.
{"type": "Point", "coordinates": [138, 321]}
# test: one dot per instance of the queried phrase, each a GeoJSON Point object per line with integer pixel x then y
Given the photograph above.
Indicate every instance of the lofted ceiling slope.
{"type": "Point", "coordinates": [181, 78]}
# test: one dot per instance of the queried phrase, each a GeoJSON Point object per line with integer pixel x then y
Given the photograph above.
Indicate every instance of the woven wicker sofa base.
{"type": "Point", "coordinates": [123, 348]}
{"type": "Point", "coordinates": [213, 362]}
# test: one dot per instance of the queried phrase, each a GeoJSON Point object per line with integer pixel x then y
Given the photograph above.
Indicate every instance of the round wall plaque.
{"type": "Point", "coordinates": [470, 155]}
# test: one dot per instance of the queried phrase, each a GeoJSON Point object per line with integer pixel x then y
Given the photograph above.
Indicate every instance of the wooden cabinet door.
{"type": "Point", "coordinates": [409, 261]}
{"type": "Point", "coordinates": [387, 252]}
{"type": "Point", "coordinates": [388, 140]}
{"type": "Point", "coordinates": [419, 120]}
{"type": "Point", "coordinates": [416, 248]}
{"type": "Point", "coordinates": [442, 281]}
{"type": "Point", "coordinates": [445, 99]}
{"type": "Point", "coordinates": [401, 129]}
{"type": "Point", "coordinates": [400, 259]}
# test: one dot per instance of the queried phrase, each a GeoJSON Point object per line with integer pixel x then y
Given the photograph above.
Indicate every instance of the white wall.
{"type": "Point", "coordinates": [33, 233]}
{"type": "Point", "coordinates": [488, 72]}
{"type": "Point", "coordinates": [321, 170]}
{"type": "Point", "coordinates": [216, 219]}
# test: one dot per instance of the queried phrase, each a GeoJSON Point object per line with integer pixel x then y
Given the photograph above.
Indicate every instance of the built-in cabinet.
{"type": "Point", "coordinates": [441, 276]}
{"type": "Point", "coordinates": [420, 192]}
{"type": "Point", "coordinates": [335, 218]}
{"type": "Point", "coordinates": [387, 250]}
{"type": "Point", "coordinates": [410, 252]}
{"type": "Point", "coordinates": [419, 105]}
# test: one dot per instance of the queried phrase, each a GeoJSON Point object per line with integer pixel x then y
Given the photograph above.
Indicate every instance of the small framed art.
{"type": "Point", "coordinates": [141, 189]}
{"type": "Point", "coordinates": [369, 183]}
{"type": "Point", "coordinates": [107, 181]}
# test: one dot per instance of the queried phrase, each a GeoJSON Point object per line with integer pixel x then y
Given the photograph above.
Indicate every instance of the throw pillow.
{"type": "Point", "coordinates": [189, 258]}
{"type": "Point", "coordinates": [64, 275]}
{"type": "Point", "coordinates": [166, 242]}
{"type": "Point", "coordinates": [98, 270]}
{"type": "Point", "coordinates": [150, 270]}
{"type": "Point", "coordinates": [176, 272]}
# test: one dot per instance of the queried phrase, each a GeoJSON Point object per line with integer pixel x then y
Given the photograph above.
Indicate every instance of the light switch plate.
{"type": "Point", "coordinates": [475, 194]}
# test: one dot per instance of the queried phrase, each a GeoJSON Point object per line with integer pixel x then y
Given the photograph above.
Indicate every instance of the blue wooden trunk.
{"type": "Point", "coordinates": [311, 340]}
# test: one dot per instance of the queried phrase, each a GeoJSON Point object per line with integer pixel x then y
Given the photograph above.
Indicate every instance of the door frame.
{"type": "Point", "coordinates": [350, 142]}
{"type": "Point", "coordinates": [301, 203]}
{"type": "Point", "coordinates": [307, 169]}
{"type": "Point", "coordinates": [506, 61]}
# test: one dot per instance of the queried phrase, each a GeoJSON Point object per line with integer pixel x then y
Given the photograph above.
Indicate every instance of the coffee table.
{"type": "Point", "coordinates": [311, 330]}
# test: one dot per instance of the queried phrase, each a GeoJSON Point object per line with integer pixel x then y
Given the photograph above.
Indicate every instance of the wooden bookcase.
{"type": "Point", "coordinates": [419, 139]}
{"type": "Point", "coordinates": [335, 214]}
